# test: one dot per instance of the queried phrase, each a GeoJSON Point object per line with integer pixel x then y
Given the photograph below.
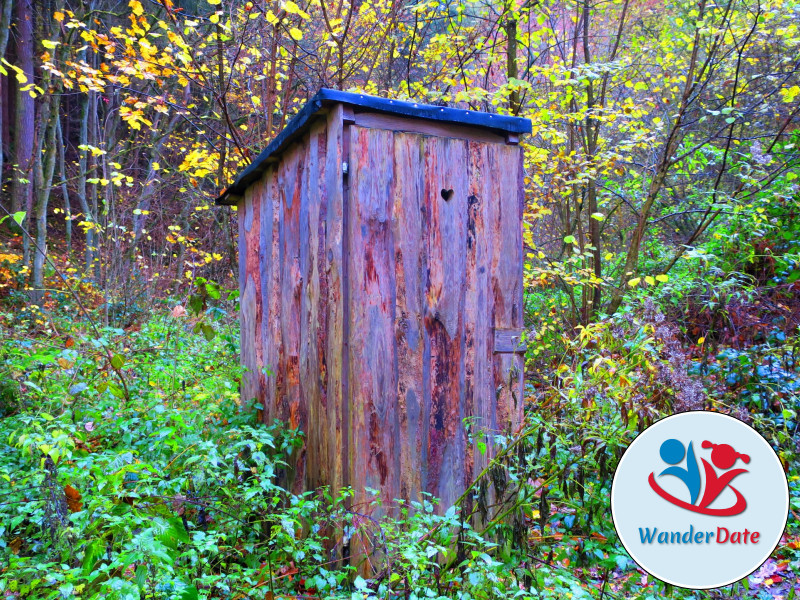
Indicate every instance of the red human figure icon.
{"type": "Point", "coordinates": [724, 457]}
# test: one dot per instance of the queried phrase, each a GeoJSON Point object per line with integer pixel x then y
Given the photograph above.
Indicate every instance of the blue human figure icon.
{"type": "Point", "coordinates": [672, 453]}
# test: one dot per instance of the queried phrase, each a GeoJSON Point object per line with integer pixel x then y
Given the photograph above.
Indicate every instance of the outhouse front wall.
{"type": "Point", "coordinates": [381, 298]}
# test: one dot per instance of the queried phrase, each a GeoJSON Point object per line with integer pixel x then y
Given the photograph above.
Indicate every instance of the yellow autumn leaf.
{"type": "Point", "coordinates": [292, 8]}
{"type": "Point", "coordinates": [650, 280]}
{"type": "Point", "coordinates": [662, 278]}
{"type": "Point", "coordinates": [214, 2]}
{"type": "Point", "coordinates": [49, 44]}
{"type": "Point", "coordinates": [214, 18]}
{"type": "Point", "coordinates": [296, 34]}
{"type": "Point", "coordinates": [58, 16]}
{"type": "Point", "coordinates": [21, 78]}
{"type": "Point", "coordinates": [136, 7]}
{"type": "Point", "coordinates": [700, 341]}
{"type": "Point", "coordinates": [634, 282]}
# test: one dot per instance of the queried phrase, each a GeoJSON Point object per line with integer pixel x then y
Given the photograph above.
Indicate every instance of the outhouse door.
{"type": "Point", "coordinates": [433, 260]}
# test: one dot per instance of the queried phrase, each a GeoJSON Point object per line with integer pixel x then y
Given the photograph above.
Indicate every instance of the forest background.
{"type": "Point", "coordinates": [662, 274]}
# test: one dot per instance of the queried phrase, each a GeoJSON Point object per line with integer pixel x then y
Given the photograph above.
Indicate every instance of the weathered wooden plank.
{"type": "Point", "coordinates": [509, 340]}
{"type": "Point", "coordinates": [410, 283]}
{"type": "Point", "coordinates": [247, 310]}
{"type": "Point", "coordinates": [254, 263]}
{"type": "Point", "coordinates": [251, 299]}
{"type": "Point", "coordinates": [429, 128]}
{"type": "Point", "coordinates": [334, 306]}
{"type": "Point", "coordinates": [291, 411]}
{"type": "Point", "coordinates": [374, 419]}
{"type": "Point", "coordinates": [504, 162]}
{"type": "Point", "coordinates": [313, 302]}
{"type": "Point", "coordinates": [264, 254]}
{"type": "Point", "coordinates": [445, 192]}
{"type": "Point", "coordinates": [272, 338]}
{"type": "Point", "coordinates": [478, 312]}
{"type": "Point", "coordinates": [306, 378]}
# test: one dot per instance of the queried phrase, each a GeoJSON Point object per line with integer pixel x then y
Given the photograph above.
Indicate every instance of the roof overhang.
{"type": "Point", "coordinates": [501, 124]}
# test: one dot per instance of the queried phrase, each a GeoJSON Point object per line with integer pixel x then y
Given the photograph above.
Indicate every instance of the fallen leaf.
{"type": "Point", "coordinates": [15, 545]}
{"type": "Point", "coordinates": [178, 311]}
{"type": "Point", "coordinates": [74, 503]}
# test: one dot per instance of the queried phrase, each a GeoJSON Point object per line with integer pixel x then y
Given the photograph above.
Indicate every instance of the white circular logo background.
{"type": "Point", "coordinates": [699, 500]}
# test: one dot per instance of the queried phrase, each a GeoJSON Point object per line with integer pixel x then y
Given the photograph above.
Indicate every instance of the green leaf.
{"type": "Point", "coordinates": [190, 593]}
{"type": "Point", "coordinates": [570, 239]}
{"type": "Point", "coordinates": [208, 332]}
{"type": "Point", "coordinates": [117, 361]}
{"type": "Point", "coordinates": [141, 576]}
{"type": "Point", "coordinates": [19, 217]}
{"type": "Point", "coordinates": [213, 290]}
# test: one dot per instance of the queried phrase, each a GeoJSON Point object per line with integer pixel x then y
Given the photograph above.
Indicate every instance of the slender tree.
{"type": "Point", "coordinates": [24, 129]}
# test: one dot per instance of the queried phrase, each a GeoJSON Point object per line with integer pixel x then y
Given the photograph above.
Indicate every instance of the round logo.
{"type": "Point", "coordinates": [699, 500]}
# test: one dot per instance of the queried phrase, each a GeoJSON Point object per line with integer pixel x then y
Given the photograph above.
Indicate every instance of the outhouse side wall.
{"type": "Point", "coordinates": [290, 240]}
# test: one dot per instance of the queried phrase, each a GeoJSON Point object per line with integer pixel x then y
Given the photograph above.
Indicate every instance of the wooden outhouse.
{"type": "Point", "coordinates": [380, 253]}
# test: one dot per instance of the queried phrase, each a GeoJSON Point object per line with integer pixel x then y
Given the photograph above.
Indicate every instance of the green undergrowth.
{"type": "Point", "coordinates": [129, 470]}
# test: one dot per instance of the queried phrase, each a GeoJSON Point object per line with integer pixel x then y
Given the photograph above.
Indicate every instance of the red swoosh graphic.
{"type": "Point", "coordinates": [737, 508]}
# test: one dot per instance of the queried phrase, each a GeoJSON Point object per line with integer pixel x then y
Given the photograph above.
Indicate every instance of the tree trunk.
{"type": "Point", "coordinates": [93, 193]}
{"type": "Point", "coordinates": [62, 173]}
{"type": "Point", "coordinates": [511, 62]}
{"type": "Point", "coordinates": [6, 7]}
{"type": "Point", "coordinates": [45, 159]}
{"type": "Point", "coordinates": [83, 169]}
{"type": "Point", "coordinates": [45, 167]}
{"type": "Point", "coordinates": [24, 117]}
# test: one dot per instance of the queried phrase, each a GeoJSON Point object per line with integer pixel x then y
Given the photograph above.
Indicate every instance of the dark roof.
{"type": "Point", "coordinates": [499, 123]}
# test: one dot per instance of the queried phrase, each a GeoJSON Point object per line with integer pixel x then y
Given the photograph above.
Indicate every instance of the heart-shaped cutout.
{"type": "Point", "coordinates": [447, 194]}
